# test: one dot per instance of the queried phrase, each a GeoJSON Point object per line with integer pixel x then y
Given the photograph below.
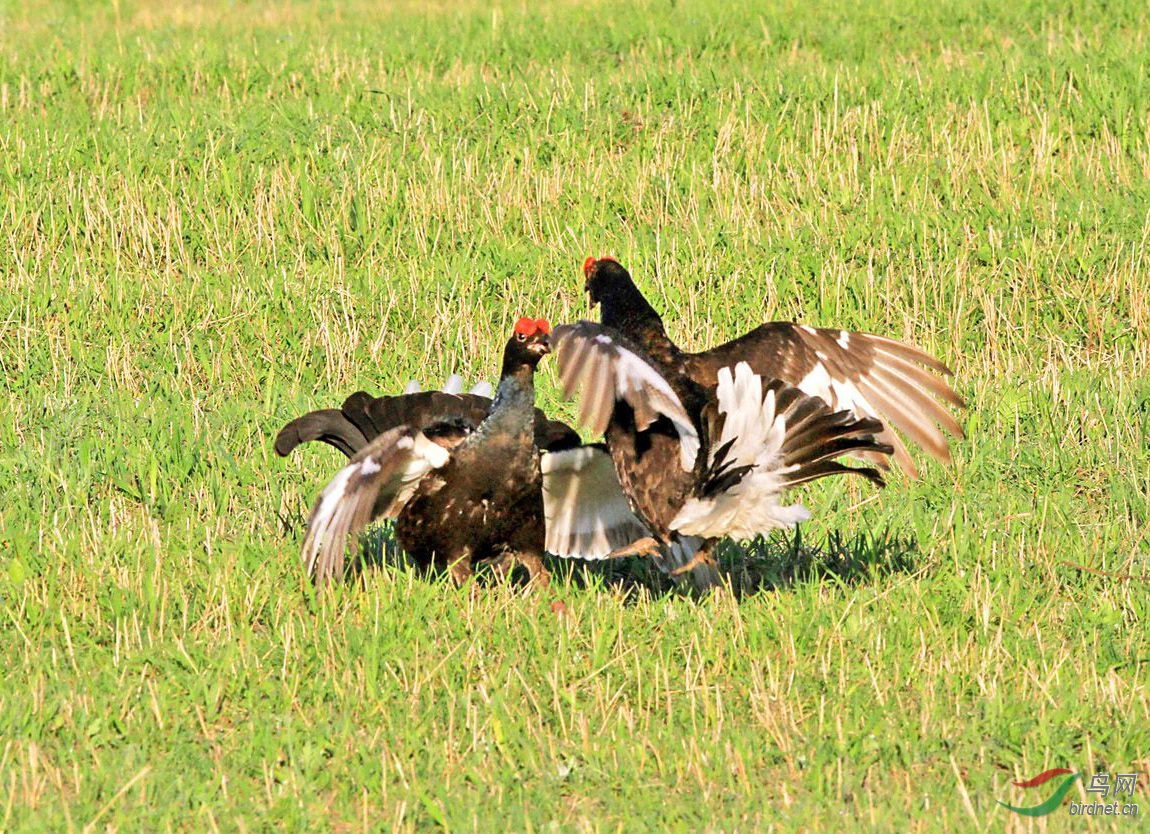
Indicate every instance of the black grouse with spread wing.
{"type": "Point", "coordinates": [466, 478]}
{"type": "Point", "coordinates": [362, 418]}
{"type": "Point", "coordinates": [870, 375]}
{"type": "Point", "coordinates": [700, 455]}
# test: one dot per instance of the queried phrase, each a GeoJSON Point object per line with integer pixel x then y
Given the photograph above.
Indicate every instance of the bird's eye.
{"type": "Point", "coordinates": [521, 337]}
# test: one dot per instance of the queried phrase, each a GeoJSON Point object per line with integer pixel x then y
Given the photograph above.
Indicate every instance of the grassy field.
{"type": "Point", "coordinates": [217, 215]}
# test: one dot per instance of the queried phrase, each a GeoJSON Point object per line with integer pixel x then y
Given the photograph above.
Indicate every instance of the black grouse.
{"type": "Point", "coordinates": [873, 376]}
{"type": "Point", "coordinates": [701, 463]}
{"type": "Point", "coordinates": [663, 412]}
{"type": "Point", "coordinates": [467, 479]}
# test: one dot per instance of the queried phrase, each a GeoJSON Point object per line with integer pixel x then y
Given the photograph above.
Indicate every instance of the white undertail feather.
{"type": "Point", "coordinates": [454, 385]}
{"type": "Point", "coordinates": [384, 474]}
{"type": "Point", "coordinates": [586, 511]}
{"type": "Point", "coordinates": [751, 506]}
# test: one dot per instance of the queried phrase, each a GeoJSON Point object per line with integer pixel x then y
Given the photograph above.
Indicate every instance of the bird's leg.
{"type": "Point", "coordinates": [701, 570]}
{"type": "Point", "coordinates": [536, 573]}
{"type": "Point", "coordinates": [502, 565]}
{"type": "Point", "coordinates": [460, 569]}
{"type": "Point", "coordinates": [702, 557]}
{"type": "Point", "coordinates": [699, 567]}
{"type": "Point", "coordinates": [646, 546]}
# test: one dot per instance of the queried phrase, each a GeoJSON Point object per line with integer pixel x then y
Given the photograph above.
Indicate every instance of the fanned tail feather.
{"type": "Point", "coordinates": [328, 425]}
{"type": "Point", "coordinates": [768, 441]}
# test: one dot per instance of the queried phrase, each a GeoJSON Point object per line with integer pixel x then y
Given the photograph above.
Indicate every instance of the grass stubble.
{"type": "Point", "coordinates": [214, 216]}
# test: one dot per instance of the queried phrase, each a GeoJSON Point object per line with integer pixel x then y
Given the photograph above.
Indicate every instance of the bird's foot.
{"type": "Point", "coordinates": [460, 571]}
{"type": "Point", "coordinates": [502, 566]}
{"type": "Point", "coordinates": [703, 557]}
{"type": "Point", "coordinates": [537, 575]}
{"type": "Point", "coordinates": [646, 546]}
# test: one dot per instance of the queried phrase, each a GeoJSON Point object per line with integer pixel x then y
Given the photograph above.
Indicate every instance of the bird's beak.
{"type": "Point", "coordinates": [592, 297]}
{"type": "Point", "coordinates": [541, 347]}
{"type": "Point", "coordinates": [588, 268]}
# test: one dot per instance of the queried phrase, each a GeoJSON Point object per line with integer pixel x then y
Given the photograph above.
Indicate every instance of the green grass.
{"type": "Point", "coordinates": [216, 215]}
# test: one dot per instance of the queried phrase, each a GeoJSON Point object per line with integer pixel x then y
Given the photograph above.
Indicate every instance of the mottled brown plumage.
{"type": "Point", "coordinates": [461, 476]}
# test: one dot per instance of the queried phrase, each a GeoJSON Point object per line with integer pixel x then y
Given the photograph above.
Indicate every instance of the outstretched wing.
{"type": "Point", "coordinates": [376, 484]}
{"type": "Point", "coordinates": [763, 439]}
{"type": "Point", "coordinates": [586, 511]}
{"type": "Point", "coordinates": [363, 417]}
{"type": "Point", "coordinates": [605, 368]}
{"type": "Point", "coordinates": [870, 375]}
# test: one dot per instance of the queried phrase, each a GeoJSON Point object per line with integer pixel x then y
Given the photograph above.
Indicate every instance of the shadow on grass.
{"type": "Point", "coordinates": [776, 563]}
{"type": "Point", "coordinates": [764, 564]}
{"type": "Point", "coordinates": [380, 550]}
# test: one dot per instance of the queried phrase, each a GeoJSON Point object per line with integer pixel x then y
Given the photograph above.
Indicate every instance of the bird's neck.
{"type": "Point", "coordinates": [632, 316]}
{"type": "Point", "coordinates": [514, 406]}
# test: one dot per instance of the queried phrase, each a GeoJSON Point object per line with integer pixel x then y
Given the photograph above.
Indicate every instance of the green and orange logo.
{"type": "Point", "coordinates": [1053, 801]}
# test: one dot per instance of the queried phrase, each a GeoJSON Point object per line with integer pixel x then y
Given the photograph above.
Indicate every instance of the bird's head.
{"type": "Point", "coordinates": [604, 276]}
{"type": "Point", "coordinates": [530, 340]}
{"type": "Point", "coordinates": [621, 305]}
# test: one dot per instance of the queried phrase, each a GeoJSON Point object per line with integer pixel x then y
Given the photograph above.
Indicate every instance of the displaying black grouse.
{"type": "Point", "coordinates": [692, 454]}
{"type": "Point", "coordinates": [698, 461]}
{"type": "Point", "coordinates": [872, 376]}
{"type": "Point", "coordinates": [466, 479]}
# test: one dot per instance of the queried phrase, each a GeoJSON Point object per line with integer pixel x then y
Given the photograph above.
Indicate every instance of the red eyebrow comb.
{"type": "Point", "coordinates": [589, 264]}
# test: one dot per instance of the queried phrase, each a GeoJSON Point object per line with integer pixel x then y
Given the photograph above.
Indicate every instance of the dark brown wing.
{"type": "Point", "coordinates": [328, 425]}
{"type": "Point", "coordinates": [872, 376]}
{"type": "Point", "coordinates": [554, 435]}
{"type": "Point", "coordinates": [363, 417]}
{"type": "Point", "coordinates": [377, 483]}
